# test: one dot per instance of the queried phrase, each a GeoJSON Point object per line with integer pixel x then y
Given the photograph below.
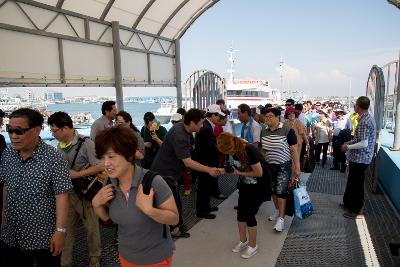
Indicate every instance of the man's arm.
{"type": "Point", "coordinates": [194, 165]}
{"type": "Point", "coordinates": [88, 171]}
{"type": "Point", "coordinates": [58, 239]}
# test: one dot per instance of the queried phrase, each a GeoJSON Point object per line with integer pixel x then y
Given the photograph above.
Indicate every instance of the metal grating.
{"type": "Point", "coordinates": [323, 180]}
{"type": "Point", "coordinates": [327, 238]}
{"type": "Point", "coordinates": [324, 239]}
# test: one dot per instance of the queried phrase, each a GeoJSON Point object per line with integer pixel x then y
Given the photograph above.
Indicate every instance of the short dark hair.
{"type": "Point", "coordinates": [244, 108]}
{"type": "Point", "coordinates": [309, 102]}
{"type": "Point", "coordinates": [60, 119]}
{"type": "Point", "coordinates": [268, 105]}
{"type": "Point", "coordinates": [2, 114]}
{"type": "Point", "coordinates": [194, 115]}
{"type": "Point", "coordinates": [128, 118]}
{"type": "Point", "coordinates": [298, 107]}
{"type": "Point", "coordinates": [120, 139]}
{"type": "Point", "coordinates": [220, 101]}
{"type": "Point", "coordinates": [33, 117]}
{"type": "Point", "coordinates": [263, 110]}
{"type": "Point", "coordinates": [363, 102]}
{"type": "Point", "coordinates": [181, 111]}
{"type": "Point", "coordinates": [291, 101]}
{"type": "Point", "coordinates": [274, 111]}
{"type": "Point", "coordinates": [148, 117]}
{"type": "Point", "coordinates": [253, 111]}
{"type": "Point", "coordinates": [107, 106]}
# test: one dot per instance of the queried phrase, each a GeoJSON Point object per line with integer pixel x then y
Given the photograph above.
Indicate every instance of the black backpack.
{"type": "Point", "coordinates": [146, 183]}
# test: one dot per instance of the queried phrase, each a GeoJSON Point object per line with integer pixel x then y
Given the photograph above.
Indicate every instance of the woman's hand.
{"type": "Point", "coordinates": [103, 196]}
{"type": "Point", "coordinates": [144, 202]}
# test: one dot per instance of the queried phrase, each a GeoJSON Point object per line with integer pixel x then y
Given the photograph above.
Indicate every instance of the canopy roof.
{"type": "Point", "coordinates": [395, 3]}
{"type": "Point", "coordinates": [166, 18]}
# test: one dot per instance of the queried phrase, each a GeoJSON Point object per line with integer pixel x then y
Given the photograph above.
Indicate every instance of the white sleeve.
{"type": "Point", "coordinates": [257, 133]}
{"type": "Point", "coordinates": [359, 145]}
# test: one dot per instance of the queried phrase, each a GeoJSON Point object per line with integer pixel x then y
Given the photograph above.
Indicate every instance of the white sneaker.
{"type": "Point", "coordinates": [249, 252]}
{"type": "Point", "coordinates": [280, 225]}
{"type": "Point", "coordinates": [274, 216]}
{"type": "Point", "coordinates": [240, 246]}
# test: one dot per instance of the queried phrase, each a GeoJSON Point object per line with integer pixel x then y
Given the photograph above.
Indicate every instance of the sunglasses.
{"type": "Point", "coordinates": [17, 131]}
{"type": "Point", "coordinates": [288, 105]}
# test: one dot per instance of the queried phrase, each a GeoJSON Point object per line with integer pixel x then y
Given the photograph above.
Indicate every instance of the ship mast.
{"type": "Point", "coordinates": [231, 60]}
{"type": "Point", "coordinates": [281, 72]}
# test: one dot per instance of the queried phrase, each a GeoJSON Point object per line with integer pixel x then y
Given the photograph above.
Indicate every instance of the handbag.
{"type": "Point", "coordinates": [85, 187]}
{"type": "Point", "coordinates": [309, 162]}
{"type": "Point", "coordinates": [302, 202]}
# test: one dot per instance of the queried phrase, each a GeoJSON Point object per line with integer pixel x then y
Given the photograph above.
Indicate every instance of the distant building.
{"type": "Point", "coordinates": [54, 96]}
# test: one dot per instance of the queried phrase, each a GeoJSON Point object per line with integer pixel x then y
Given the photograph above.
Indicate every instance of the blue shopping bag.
{"type": "Point", "coordinates": [302, 202]}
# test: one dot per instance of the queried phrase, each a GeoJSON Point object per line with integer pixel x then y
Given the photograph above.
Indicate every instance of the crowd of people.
{"type": "Point", "coordinates": [45, 193]}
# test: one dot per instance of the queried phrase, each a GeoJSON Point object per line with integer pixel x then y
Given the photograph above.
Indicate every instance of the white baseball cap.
{"type": "Point", "coordinates": [176, 117]}
{"type": "Point", "coordinates": [214, 108]}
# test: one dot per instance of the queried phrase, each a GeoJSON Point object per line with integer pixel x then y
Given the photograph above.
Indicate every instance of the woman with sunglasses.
{"type": "Point", "coordinates": [254, 189]}
{"type": "Point", "coordinates": [140, 217]}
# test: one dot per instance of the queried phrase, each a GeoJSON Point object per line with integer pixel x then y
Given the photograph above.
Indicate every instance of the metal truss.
{"type": "Point", "coordinates": [204, 87]}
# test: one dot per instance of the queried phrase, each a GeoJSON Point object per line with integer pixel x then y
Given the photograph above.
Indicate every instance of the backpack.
{"type": "Point", "coordinates": [88, 186]}
{"type": "Point", "coordinates": [148, 180]}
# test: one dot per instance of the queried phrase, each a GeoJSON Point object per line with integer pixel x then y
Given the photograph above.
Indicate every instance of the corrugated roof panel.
{"type": "Point", "coordinates": [157, 14]}
{"type": "Point", "coordinates": [185, 16]}
{"type": "Point", "coordinates": [126, 11]}
{"type": "Point", "coordinates": [91, 8]}
{"type": "Point", "coordinates": [171, 17]}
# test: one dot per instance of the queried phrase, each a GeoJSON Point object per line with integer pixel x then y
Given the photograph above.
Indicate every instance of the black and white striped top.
{"type": "Point", "coordinates": [276, 144]}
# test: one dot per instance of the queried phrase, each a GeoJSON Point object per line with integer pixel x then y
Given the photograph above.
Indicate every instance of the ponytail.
{"type": "Point", "coordinates": [240, 151]}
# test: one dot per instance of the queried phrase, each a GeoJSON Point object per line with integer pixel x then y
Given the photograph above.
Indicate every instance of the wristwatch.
{"type": "Point", "coordinates": [61, 230]}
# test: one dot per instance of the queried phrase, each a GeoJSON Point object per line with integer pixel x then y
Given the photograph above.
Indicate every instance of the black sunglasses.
{"type": "Point", "coordinates": [288, 105]}
{"type": "Point", "coordinates": [17, 131]}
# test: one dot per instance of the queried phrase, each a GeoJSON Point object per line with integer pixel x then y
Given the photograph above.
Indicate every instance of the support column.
{"type": "Point", "coordinates": [61, 60]}
{"type": "Point", "coordinates": [117, 65]}
{"type": "Point", "coordinates": [396, 142]}
{"type": "Point", "coordinates": [178, 73]}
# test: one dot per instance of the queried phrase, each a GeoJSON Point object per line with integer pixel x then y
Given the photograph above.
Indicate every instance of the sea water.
{"type": "Point", "coordinates": [136, 110]}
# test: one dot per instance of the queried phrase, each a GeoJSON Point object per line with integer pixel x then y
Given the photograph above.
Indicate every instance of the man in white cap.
{"type": "Point", "coordinates": [176, 118]}
{"type": "Point", "coordinates": [206, 152]}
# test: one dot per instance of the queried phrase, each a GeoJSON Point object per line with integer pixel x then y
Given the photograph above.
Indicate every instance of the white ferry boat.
{"type": "Point", "coordinates": [252, 92]}
{"type": "Point", "coordinates": [164, 113]}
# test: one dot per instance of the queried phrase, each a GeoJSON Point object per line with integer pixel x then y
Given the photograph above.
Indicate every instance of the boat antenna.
{"type": "Point", "coordinates": [281, 71]}
{"type": "Point", "coordinates": [231, 60]}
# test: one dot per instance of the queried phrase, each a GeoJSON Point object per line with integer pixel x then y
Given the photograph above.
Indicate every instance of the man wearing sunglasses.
{"type": "Point", "coordinates": [36, 201]}
{"type": "Point", "coordinates": [2, 147]}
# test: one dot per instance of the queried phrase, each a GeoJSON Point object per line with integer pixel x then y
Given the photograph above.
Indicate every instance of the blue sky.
{"type": "Point", "coordinates": [324, 44]}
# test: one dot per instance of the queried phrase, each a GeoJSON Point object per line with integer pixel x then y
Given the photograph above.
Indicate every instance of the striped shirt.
{"type": "Point", "coordinates": [365, 130]}
{"type": "Point", "coordinates": [277, 144]}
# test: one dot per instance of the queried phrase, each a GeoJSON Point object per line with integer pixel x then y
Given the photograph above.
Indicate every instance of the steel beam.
{"type": "Point", "coordinates": [60, 4]}
{"type": "Point", "coordinates": [178, 73]}
{"type": "Point", "coordinates": [117, 65]}
{"type": "Point", "coordinates": [87, 29]}
{"type": "Point", "coordinates": [107, 9]}
{"type": "Point", "coordinates": [148, 69]}
{"type": "Point", "coordinates": [61, 60]}
{"type": "Point", "coordinates": [193, 19]}
{"type": "Point", "coordinates": [172, 16]}
{"type": "Point", "coordinates": [50, 34]}
{"type": "Point", "coordinates": [141, 15]}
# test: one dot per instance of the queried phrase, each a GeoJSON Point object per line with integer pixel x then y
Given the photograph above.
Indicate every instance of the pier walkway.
{"type": "Point", "coordinates": [324, 239]}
